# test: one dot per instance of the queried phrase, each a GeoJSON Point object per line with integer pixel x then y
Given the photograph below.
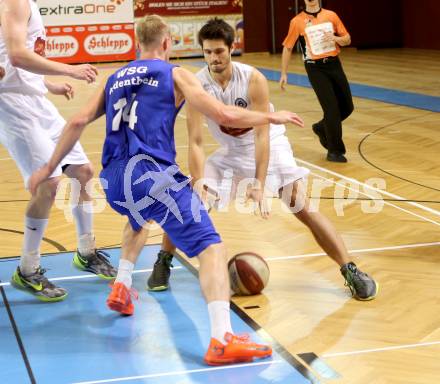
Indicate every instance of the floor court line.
{"type": "Point", "coordinates": [389, 194]}
{"type": "Point", "coordinates": [385, 202]}
{"type": "Point", "coordinates": [79, 277]}
{"type": "Point", "coordinates": [365, 250]}
{"type": "Point", "coordinates": [384, 349]}
{"type": "Point", "coordinates": [177, 373]}
{"type": "Point", "coordinates": [276, 258]}
{"type": "Point", "coordinates": [100, 152]}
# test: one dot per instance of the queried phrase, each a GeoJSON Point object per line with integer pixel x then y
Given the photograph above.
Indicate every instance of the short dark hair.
{"type": "Point", "coordinates": [217, 29]}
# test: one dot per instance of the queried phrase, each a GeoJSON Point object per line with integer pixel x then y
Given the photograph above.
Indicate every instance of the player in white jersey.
{"type": "Point", "coordinates": [29, 129]}
{"type": "Point", "coordinates": [263, 155]}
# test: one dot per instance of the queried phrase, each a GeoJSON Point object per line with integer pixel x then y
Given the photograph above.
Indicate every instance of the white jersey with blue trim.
{"type": "Point", "coordinates": [19, 80]}
{"type": "Point", "coordinates": [236, 93]}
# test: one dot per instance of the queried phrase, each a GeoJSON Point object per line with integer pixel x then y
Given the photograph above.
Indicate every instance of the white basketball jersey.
{"type": "Point", "coordinates": [236, 93]}
{"type": "Point", "coordinates": [17, 79]}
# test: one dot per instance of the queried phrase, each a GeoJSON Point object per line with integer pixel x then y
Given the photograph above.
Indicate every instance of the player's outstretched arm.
{"type": "Point", "coordinates": [196, 153]}
{"type": "Point", "coordinates": [258, 93]}
{"type": "Point", "coordinates": [70, 135]}
{"type": "Point", "coordinates": [64, 89]}
{"type": "Point", "coordinates": [14, 19]}
{"type": "Point", "coordinates": [189, 86]}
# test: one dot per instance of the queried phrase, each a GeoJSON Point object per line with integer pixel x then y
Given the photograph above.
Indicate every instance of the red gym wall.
{"type": "Point", "coordinates": [420, 24]}
{"type": "Point", "coordinates": [257, 25]}
{"type": "Point", "coordinates": [372, 23]}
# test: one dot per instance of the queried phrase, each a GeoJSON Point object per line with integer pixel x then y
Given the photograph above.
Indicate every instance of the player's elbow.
{"type": "Point", "coordinates": [227, 119]}
{"type": "Point", "coordinates": [222, 116]}
{"type": "Point", "coordinates": [196, 142]}
{"type": "Point", "coordinates": [18, 55]}
{"type": "Point", "coordinates": [16, 58]}
{"type": "Point", "coordinates": [78, 122]}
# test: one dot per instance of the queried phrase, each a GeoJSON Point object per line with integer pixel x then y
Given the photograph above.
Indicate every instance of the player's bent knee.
{"type": "Point", "coordinates": [84, 173]}
{"type": "Point", "coordinates": [48, 189]}
{"type": "Point", "coordinates": [214, 253]}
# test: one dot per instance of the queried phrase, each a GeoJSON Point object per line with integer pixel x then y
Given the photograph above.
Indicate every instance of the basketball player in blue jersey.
{"type": "Point", "coordinates": [141, 102]}
{"type": "Point", "coordinates": [264, 154]}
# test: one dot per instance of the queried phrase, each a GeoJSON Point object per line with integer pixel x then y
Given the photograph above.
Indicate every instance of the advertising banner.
{"type": "Point", "coordinates": [187, 17]}
{"type": "Point", "coordinates": [81, 31]}
{"type": "Point", "coordinates": [185, 8]}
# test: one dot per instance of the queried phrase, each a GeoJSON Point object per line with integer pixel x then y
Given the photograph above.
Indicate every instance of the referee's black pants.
{"type": "Point", "coordinates": [333, 91]}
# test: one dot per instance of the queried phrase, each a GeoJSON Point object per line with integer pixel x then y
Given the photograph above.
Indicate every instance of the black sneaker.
{"type": "Point", "coordinates": [336, 157]}
{"type": "Point", "coordinates": [38, 285]}
{"type": "Point", "coordinates": [362, 286]}
{"type": "Point", "coordinates": [317, 129]}
{"type": "Point", "coordinates": [97, 263]}
{"type": "Point", "coordinates": [159, 278]}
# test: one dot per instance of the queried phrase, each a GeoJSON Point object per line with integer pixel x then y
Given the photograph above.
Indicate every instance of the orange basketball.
{"type": "Point", "coordinates": [249, 273]}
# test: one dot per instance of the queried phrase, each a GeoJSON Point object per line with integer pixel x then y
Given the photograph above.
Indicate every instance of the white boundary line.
{"type": "Point", "coordinates": [307, 255]}
{"type": "Point", "coordinates": [100, 152]}
{"type": "Point", "coordinates": [396, 347]}
{"type": "Point", "coordinates": [79, 277]}
{"type": "Point", "coordinates": [391, 248]}
{"type": "Point", "coordinates": [379, 190]}
{"type": "Point", "coordinates": [389, 194]}
{"type": "Point", "coordinates": [177, 373]}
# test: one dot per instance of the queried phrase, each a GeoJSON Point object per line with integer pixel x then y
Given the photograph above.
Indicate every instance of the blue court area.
{"type": "Point", "coordinates": [80, 340]}
{"type": "Point", "coordinates": [385, 95]}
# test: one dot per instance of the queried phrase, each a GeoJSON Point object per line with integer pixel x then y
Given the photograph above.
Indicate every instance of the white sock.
{"type": "Point", "coordinates": [86, 244]}
{"type": "Point", "coordinates": [220, 318]}
{"type": "Point", "coordinates": [84, 227]}
{"type": "Point", "coordinates": [33, 234]}
{"type": "Point", "coordinates": [125, 271]}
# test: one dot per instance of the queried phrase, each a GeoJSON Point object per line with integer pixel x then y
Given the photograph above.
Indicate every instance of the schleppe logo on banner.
{"type": "Point", "coordinates": [99, 44]}
{"type": "Point", "coordinates": [61, 46]}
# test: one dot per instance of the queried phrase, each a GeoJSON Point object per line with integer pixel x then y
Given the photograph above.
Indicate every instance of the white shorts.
{"type": "Point", "coordinates": [229, 170]}
{"type": "Point", "coordinates": [30, 127]}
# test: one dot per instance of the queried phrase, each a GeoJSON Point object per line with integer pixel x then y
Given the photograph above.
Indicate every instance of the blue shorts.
{"type": "Point", "coordinates": [145, 190]}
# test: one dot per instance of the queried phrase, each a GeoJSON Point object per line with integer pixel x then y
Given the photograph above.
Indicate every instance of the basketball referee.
{"type": "Point", "coordinates": [321, 34]}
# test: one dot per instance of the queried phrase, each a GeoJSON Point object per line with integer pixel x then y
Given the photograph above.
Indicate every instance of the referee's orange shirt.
{"type": "Point", "coordinates": [303, 20]}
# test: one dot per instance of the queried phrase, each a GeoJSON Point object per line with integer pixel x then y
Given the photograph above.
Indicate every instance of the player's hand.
{"type": "Point", "coordinates": [85, 72]}
{"type": "Point", "coordinates": [64, 89]}
{"type": "Point", "coordinates": [283, 117]}
{"type": "Point", "coordinates": [2, 72]}
{"type": "Point", "coordinates": [283, 82]}
{"type": "Point", "coordinates": [257, 196]}
{"type": "Point", "coordinates": [329, 37]}
{"type": "Point", "coordinates": [37, 178]}
{"type": "Point", "coordinates": [208, 197]}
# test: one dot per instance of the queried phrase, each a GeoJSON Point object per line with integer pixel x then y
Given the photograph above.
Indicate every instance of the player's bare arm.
{"type": "Point", "coordinates": [196, 153]}
{"type": "Point", "coordinates": [189, 86]}
{"type": "Point", "coordinates": [14, 17]}
{"type": "Point", "coordinates": [94, 109]}
{"type": "Point", "coordinates": [259, 99]}
{"type": "Point", "coordinates": [63, 89]}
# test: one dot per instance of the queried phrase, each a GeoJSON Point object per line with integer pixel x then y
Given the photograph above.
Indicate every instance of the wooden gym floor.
{"type": "Point", "coordinates": [306, 308]}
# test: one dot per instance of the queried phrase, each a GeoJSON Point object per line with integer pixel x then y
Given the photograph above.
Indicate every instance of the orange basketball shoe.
{"type": "Point", "coordinates": [119, 299]}
{"type": "Point", "coordinates": [239, 349]}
